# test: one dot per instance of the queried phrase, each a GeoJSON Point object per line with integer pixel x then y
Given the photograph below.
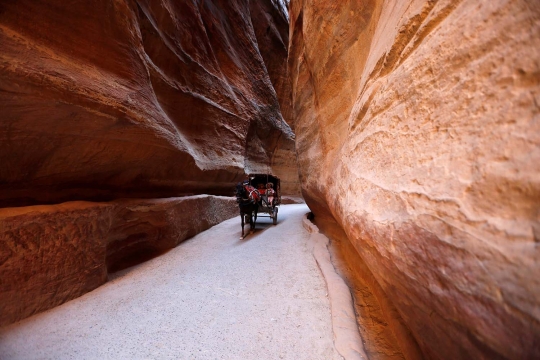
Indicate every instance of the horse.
{"type": "Point", "coordinates": [247, 198]}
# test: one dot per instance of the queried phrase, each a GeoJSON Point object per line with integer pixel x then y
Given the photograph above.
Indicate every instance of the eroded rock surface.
{"type": "Point", "coordinates": [417, 129]}
{"type": "Point", "coordinates": [50, 254]}
{"type": "Point", "coordinates": [102, 100]}
{"type": "Point", "coordinates": [271, 24]}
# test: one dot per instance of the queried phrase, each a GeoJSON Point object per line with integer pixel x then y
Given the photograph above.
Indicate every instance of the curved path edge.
{"type": "Point", "coordinates": [347, 339]}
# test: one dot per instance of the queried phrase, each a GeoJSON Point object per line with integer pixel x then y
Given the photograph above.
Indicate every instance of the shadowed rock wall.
{"type": "Point", "coordinates": [108, 99]}
{"type": "Point", "coordinates": [50, 254]}
{"type": "Point", "coordinates": [271, 24]}
{"type": "Point", "coordinates": [417, 129]}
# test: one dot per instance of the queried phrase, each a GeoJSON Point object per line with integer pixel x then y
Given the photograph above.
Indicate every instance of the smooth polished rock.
{"type": "Point", "coordinates": [140, 99]}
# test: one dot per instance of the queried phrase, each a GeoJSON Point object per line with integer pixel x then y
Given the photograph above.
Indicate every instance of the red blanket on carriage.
{"type": "Point", "coordinates": [253, 194]}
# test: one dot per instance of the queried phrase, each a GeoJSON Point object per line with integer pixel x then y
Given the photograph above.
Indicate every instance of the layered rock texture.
{"type": "Point", "coordinates": [271, 24]}
{"type": "Point", "coordinates": [102, 99]}
{"type": "Point", "coordinates": [417, 126]}
{"type": "Point", "coordinates": [53, 253]}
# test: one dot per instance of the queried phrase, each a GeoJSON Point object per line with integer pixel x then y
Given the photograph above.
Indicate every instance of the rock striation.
{"type": "Point", "coordinates": [417, 129]}
{"type": "Point", "coordinates": [130, 100]}
{"type": "Point", "coordinates": [102, 100]}
{"type": "Point", "coordinates": [271, 25]}
{"type": "Point", "coordinates": [50, 254]}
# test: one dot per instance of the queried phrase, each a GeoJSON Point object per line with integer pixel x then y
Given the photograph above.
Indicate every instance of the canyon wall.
{"type": "Point", "coordinates": [141, 100]}
{"type": "Point", "coordinates": [417, 129]}
{"type": "Point", "coordinates": [50, 254]}
{"type": "Point", "coordinates": [109, 99]}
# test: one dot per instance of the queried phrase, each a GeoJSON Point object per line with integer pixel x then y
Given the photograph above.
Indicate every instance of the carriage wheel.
{"type": "Point", "coordinates": [275, 215]}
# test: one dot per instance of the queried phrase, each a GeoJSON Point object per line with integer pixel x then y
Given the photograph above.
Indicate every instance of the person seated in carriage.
{"type": "Point", "coordinates": [261, 189]}
{"type": "Point", "coordinates": [270, 193]}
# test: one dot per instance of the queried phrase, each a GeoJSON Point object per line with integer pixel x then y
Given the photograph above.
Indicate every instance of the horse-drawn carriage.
{"type": "Point", "coordinates": [259, 193]}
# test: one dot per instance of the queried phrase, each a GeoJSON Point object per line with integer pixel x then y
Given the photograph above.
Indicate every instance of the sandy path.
{"type": "Point", "coordinates": [212, 297]}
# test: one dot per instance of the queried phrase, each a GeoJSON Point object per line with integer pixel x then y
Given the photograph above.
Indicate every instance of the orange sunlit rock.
{"type": "Point", "coordinates": [417, 129]}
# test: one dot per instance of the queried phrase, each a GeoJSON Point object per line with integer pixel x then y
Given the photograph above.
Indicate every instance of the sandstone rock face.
{"type": "Point", "coordinates": [271, 25]}
{"type": "Point", "coordinates": [102, 99]}
{"type": "Point", "coordinates": [417, 126]}
{"type": "Point", "coordinates": [50, 254]}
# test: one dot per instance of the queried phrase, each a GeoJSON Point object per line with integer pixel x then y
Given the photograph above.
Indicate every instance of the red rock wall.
{"type": "Point", "coordinates": [108, 99]}
{"type": "Point", "coordinates": [50, 254]}
{"type": "Point", "coordinates": [101, 100]}
{"type": "Point", "coordinates": [271, 24]}
{"type": "Point", "coordinates": [417, 129]}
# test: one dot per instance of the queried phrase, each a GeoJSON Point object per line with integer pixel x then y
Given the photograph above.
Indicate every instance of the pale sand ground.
{"type": "Point", "coordinates": [212, 297]}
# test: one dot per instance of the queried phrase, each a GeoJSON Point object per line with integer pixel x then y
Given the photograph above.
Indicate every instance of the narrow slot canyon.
{"type": "Point", "coordinates": [400, 138]}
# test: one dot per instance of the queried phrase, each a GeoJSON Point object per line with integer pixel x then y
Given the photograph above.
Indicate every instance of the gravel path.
{"type": "Point", "coordinates": [212, 297]}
